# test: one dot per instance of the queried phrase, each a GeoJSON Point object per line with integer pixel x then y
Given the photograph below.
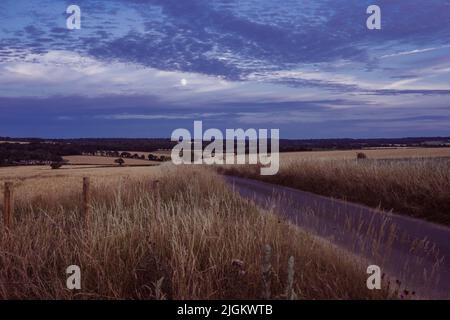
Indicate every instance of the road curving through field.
{"type": "Point", "coordinates": [415, 253]}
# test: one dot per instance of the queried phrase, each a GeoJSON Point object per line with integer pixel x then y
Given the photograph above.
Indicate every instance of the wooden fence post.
{"type": "Point", "coordinates": [86, 201]}
{"type": "Point", "coordinates": [8, 205]}
{"type": "Point", "coordinates": [267, 271]}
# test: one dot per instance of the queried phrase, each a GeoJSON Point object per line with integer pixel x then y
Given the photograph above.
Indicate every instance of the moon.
{"type": "Point", "coordinates": [184, 82]}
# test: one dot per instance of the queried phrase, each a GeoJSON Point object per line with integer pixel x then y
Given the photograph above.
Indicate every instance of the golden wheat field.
{"type": "Point", "coordinates": [33, 173]}
{"type": "Point", "coordinates": [287, 158]}
{"type": "Point", "coordinates": [186, 237]}
{"type": "Point", "coordinates": [386, 153]}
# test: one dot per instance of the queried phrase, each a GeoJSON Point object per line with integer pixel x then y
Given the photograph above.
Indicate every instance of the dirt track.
{"type": "Point", "coordinates": [413, 251]}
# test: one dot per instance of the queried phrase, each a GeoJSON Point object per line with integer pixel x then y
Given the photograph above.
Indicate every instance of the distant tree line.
{"type": "Point", "coordinates": [33, 153]}
{"type": "Point", "coordinates": [128, 155]}
{"type": "Point", "coordinates": [136, 145]}
{"type": "Point", "coordinates": [52, 152]}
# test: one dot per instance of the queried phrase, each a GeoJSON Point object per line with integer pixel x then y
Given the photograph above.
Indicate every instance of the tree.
{"type": "Point", "coordinates": [361, 155]}
{"type": "Point", "coordinates": [164, 158]}
{"type": "Point", "coordinates": [56, 164]}
{"type": "Point", "coordinates": [119, 161]}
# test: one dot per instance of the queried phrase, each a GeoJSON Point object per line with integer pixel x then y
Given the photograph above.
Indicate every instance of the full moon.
{"type": "Point", "coordinates": [183, 82]}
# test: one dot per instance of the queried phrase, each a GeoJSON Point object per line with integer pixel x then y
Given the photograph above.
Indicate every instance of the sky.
{"type": "Point", "coordinates": [310, 68]}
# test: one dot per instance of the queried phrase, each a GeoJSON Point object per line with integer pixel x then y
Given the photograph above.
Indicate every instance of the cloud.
{"type": "Point", "coordinates": [415, 51]}
{"type": "Point", "coordinates": [165, 116]}
{"type": "Point", "coordinates": [68, 73]}
{"type": "Point", "coordinates": [312, 63]}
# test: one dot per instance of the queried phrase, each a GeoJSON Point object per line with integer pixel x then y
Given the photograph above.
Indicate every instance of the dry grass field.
{"type": "Point", "coordinates": [415, 182]}
{"type": "Point", "coordinates": [187, 237]}
{"type": "Point", "coordinates": [37, 173]}
{"type": "Point", "coordinates": [190, 237]}
{"type": "Point", "coordinates": [105, 161]}
{"type": "Point", "coordinates": [387, 153]}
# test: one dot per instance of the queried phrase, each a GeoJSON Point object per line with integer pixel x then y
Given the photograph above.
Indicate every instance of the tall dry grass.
{"type": "Point", "coordinates": [416, 187]}
{"type": "Point", "coordinates": [187, 237]}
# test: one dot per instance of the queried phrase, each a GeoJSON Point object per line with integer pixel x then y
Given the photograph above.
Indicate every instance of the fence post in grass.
{"type": "Point", "coordinates": [290, 294]}
{"type": "Point", "coordinates": [86, 201]}
{"type": "Point", "coordinates": [267, 271]}
{"type": "Point", "coordinates": [8, 205]}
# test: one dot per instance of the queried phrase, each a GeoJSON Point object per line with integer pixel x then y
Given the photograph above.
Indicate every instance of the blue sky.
{"type": "Point", "coordinates": [144, 68]}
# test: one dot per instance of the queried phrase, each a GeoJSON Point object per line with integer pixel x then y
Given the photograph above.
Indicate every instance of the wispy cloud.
{"type": "Point", "coordinates": [127, 116]}
{"type": "Point", "coordinates": [415, 51]}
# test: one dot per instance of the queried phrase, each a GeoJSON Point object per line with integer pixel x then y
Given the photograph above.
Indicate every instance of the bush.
{"type": "Point", "coordinates": [361, 155]}
{"type": "Point", "coordinates": [119, 161]}
{"type": "Point", "coordinates": [56, 165]}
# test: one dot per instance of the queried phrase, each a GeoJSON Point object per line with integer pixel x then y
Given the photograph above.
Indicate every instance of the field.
{"type": "Point", "coordinates": [105, 161]}
{"type": "Point", "coordinates": [36, 173]}
{"type": "Point", "coordinates": [380, 153]}
{"type": "Point", "coordinates": [166, 232]}
{"type": "Point", "coordinates": [186, 237]}
{"type": "Point", "coordinates": [414, 182]}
